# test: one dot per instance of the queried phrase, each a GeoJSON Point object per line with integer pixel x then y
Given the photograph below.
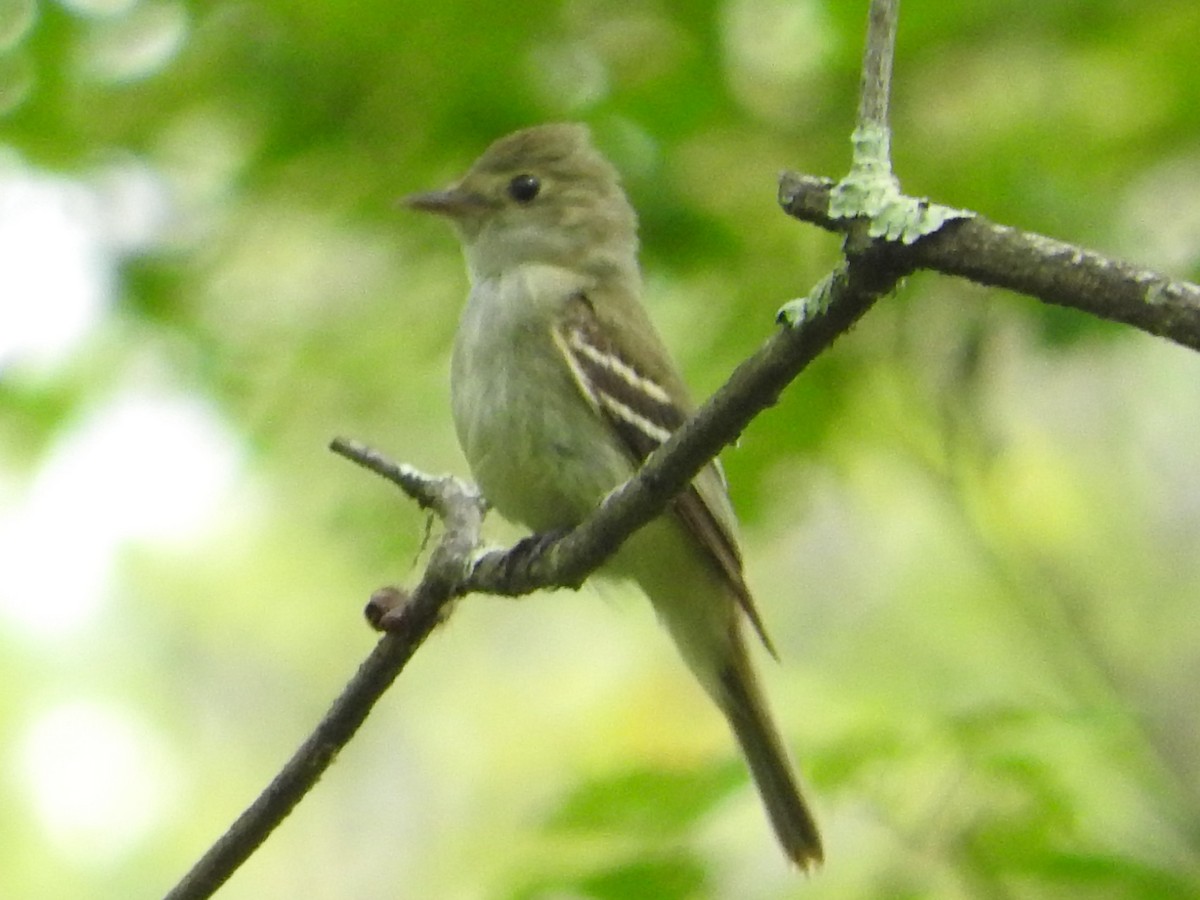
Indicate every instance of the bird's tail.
{"type": "Point", "coordinates": [744, 707]}
{"type": "Point", "coordinates": [700, 608]}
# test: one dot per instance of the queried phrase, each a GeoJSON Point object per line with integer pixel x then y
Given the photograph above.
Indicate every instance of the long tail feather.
{"type": "Point", "coordinates": [745, 709]}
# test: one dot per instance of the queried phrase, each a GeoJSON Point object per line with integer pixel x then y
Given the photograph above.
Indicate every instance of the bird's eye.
{"type": "Point", "coordinates": [524, 188]}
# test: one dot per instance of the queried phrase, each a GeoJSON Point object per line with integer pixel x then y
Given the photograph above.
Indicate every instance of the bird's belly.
{"type": "Point", "coordinates": [540, 454]}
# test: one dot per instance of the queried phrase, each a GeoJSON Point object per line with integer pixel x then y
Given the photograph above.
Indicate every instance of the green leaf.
{"type": "Point", "coordinates": [647, 801]}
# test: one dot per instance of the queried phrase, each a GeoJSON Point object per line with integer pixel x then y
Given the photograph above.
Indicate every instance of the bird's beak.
{"type": "Point", "coordinates": [453, 202]}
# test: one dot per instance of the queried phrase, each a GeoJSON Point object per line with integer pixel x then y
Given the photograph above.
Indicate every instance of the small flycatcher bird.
{"type": "Point", "coordinates": [561, 387]}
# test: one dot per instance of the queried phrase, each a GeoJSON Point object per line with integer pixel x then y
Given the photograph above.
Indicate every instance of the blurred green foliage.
{"type": "Point", "coordinates": [972, 524]}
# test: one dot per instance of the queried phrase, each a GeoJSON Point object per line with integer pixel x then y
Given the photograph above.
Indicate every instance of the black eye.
{"type": "Point", "coordinates": [524, 188]}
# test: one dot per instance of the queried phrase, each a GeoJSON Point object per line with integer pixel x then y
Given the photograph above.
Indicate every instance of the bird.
{"type": "Point", "coordinates": [561, 386]}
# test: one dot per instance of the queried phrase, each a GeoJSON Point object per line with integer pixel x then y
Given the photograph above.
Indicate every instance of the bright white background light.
{"type": "Point", "coordinates": [152, 468]}
{"type": "Point", "coordinates": [97, 779]}
{"type": "Point", "coordinates": [54, 281]}
{"type": "Point", "coordinates": [60, 243]}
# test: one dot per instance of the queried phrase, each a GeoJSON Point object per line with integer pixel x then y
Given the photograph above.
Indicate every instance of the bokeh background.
{"type": "Point", "coordinates": [972, 525]}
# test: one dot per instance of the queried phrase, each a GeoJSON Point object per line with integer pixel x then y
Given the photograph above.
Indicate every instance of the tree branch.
{"type": "Point", "coordinates": [459, 506]}
{"type": "Point", "coordinates": [1051, 270]}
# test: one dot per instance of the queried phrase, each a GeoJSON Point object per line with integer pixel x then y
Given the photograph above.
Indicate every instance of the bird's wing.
{"type": "Point", "coordinates": [644, 408]}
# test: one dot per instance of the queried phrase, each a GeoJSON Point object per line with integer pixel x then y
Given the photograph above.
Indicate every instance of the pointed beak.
{"type": "Point", "coordinates": [453, 202]}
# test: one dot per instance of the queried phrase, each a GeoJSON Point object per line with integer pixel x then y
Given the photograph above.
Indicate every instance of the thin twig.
{"type": "Point", "coordinates": [876, 86]}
